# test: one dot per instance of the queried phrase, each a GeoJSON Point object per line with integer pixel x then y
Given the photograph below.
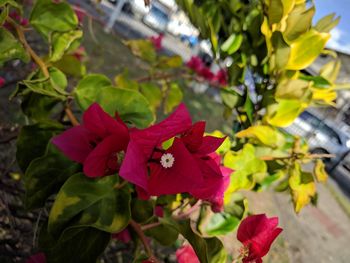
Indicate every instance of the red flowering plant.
{"type": "Point", "coordinates": [94, 154]}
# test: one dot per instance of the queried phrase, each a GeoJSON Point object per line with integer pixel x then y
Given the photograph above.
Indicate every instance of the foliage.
{"type": "Point", "coordinates": [270, 43]}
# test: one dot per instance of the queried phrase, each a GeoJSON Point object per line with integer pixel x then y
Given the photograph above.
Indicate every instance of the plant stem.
{"type": "Point", "coordinates": [71, 116]}
{"type": "Point", "coordinates": [139, 232]}
{"type": "Point", "coordinates": [28, 48]}
{"type": "Point", "coordinates": [308, 156]}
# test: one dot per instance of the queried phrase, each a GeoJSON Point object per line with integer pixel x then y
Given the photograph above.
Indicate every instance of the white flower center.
{"type": "Point", "coordinates": [167, 160]}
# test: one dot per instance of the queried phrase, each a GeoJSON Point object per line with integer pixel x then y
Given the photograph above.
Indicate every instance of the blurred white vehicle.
{"type": "Point", "coordinates": [138, 8]}
{"type": "Point", "coordinates": [157, 18]}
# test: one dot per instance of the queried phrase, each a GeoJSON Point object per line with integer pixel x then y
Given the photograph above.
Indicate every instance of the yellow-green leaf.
{"type": "Point", "coordinates": [302, 186]}
{"type": "Point", "coordinates": [306, 48]}
{"type": "Point", "coordinates": [287, 111]}
{"type": "Point", "coordinates": [298, 22]}
{"type": "Point", "coordinates": [327, 23]}
{"type": "Point", "coordinates": [264, 134]}
{"type": "Point", "coordinates": [292, 89]}
{"type": "Point", "coordinates": [330, 71]}
{"type": "Point", "coordinates": [320, 171]}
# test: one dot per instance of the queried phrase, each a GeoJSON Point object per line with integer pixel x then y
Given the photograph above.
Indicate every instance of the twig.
{"type": "Point", "coordinates": [36, 227]}
{"type": "Point", "coordinates": [28, 48]}
{"type": "Point", "coordinates": [309, 156]}
{"type": "Point", "coordinates": [139, 232]}
{"type": "Point", "coordinates": [120, 185]}
{"type": "Point", "coordinates": [71, 116]}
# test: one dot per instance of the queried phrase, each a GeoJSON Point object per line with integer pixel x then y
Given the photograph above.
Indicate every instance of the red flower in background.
{"type": "Point", "coordinates": [206, 73]}
{"type": "Point", "coordinates": [195, 63]}
{"type": "Point", "coordinates": [123, 236]}
{"type": "Point", "coordinates": [257, 233]}
{"type": "Point", "coordinates": [221, 77]}
{"type": "Point", "coordinates": [186, 254]}
{"type": "Point", "coordinates": [80, 53]}
{"type": "Point", "coordinates": [37, 258]}
{"type": "Point", "coordinates": [17, 18]}
{"type": "Point", "coordinates": [79, 12]}
{"type": "Point", "coordinates": [157, 41]}
{"type": "Point", "coordinates": [2, 82]}
{"type": "Point", "coordinates": [96, 143]}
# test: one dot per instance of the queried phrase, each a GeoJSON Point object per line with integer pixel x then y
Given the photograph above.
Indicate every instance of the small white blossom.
{"type": "Point", "coordinates": [167, 160]}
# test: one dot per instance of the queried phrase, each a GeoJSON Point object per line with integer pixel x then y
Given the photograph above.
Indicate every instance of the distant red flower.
{"type": "Point", "coordinates": [221, 77]}
{"type": "Point", "coordinates": [80, 13]}
{"type": "Point", "coordinates": [186, 254]}
{"type": "Point", "coordinates": [195, 63]}
{"type": "Point", "coordinates": [37, 258]}
{"type": "Point", "coordinates": [95, 143]}
{"type": "Point", "coordinates": [123, 236]}
{"type": "Point", "coordinates": [206, 73]}
{"type": "Point", "coordinates": [257, 233]}
{"type": "Point", "coordinates": [79, 53]}
{"type": "Point", "coordinates": [157, 41]}
{"type": "Point", "coordinates": [2, 82]}
{"type": "Point", "coordinates": [17, 18]}
{"type": "Point", "coordinates": [159, 211]}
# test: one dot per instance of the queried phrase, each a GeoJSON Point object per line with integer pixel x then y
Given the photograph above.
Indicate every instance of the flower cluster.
{"type": "Point", "coordinates": [196, 64]}
{"type": "Point", "coordinates": [171, 157]}
{"type": "Point", "coordinates": [157, 41]}
{"type": "Point", "coordinates": [256, 232]}
{"type": "Point", "coordinates": [17, 18]}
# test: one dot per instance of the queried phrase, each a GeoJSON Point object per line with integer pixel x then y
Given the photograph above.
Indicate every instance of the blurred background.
{"type": "Point", "coordinates": [319, 234]}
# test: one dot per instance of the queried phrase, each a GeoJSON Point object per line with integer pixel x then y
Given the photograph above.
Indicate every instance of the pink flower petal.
{"type": "Point", "coordinates": [209, 145]}
{"type": "Point", "coordinates": [182, 177]}
{"type": "Point", "coordinates": [76, 143]}
{"type": "Point", "coordinates": [186, 254]}
{"type": "Point", "coordinates": [193, 138]}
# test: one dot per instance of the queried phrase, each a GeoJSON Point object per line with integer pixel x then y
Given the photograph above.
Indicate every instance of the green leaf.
{"type": "Point", "coordinates": [282, 50]}
{"type": "Point", "coordinates": [152, 93]}
{"type": "Point", "coordinates": [45, 175]}
{"type": "Point", "coordinates": [318, 81]}
{"type": "Point", "coordinates": [10, 48]}
{"type": "Point", "coordinates": [327, 23]}
{"type": "Point", "coordinates": [38, 107]}
{"type": "Point", "coordinates": [141, 210]}
{"type": "Point", "coordinates": [92, 202]}
{"type": "Point", "coordinates": [29, 148]}
{"type": "Point", "coordinates": [61, 43]}
{"type": "Point", "coordinates": [53, 87]}
{"type": "Point", "coordinates": [71, 65]}
{"type": "Point", "coordinates": [213, 38]}
{"type": "Point", "coordinates": [48, 17]}
{"type": "Point", "coordinates": [131, 105]}
{"type": "Point", "coordinates": [264, 134]}
{"type": "Point", "coordinates": [173, 96]}
{"type": "Point", "coordinates": [163, 234]}
{"type": "Point", "coordinates": [12, 3]}
{"type": "Point", "coordinates": [330, 70]}
{"type": "Point", "coordinates": [246, 165]}
{"type": "Point", "coordinates": [171, 62]}
{"type": "Point", "coordinates": [3, 15]}
{"type": "Point", "coordinates": [306, 48]}
{"type": "Point", "coordinates": [249, 108]}
{"type": "Point", "coordinates": [232, 44]}
{"type": "Point", "coordinates": [221, 224]}
{"type": "Point", "coordinates": [208, 250]}
{"type": "Point", "coordinates": [123, 81]}
{"type": "Point", "coordinates": [97, 81]}
{"type": "Point", "coordinates": [275, 11]}
{"type": "Point", "coordinates": [320, 171]}
{"type": "Point", "coordinates": [302, 187]}
{"type": "Point", "coordinates": [287, 111]}
{"type": "Point", "coordinates": [143, 49]}
{"type": "Point", "coordinates": [229, 97]}
{"type": "Point", "coordinates": [298, 22]}
{"type": "Point", "coordinates": [76, 244]}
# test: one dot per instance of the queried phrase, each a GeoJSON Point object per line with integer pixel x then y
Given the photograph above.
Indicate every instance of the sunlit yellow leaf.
{"type": "Point", "coordinates": [330, 71]}
{"type": "Point", "coordinates": [302, 186]}
{"type": "Point", "coordinates": [265, 134]}
{"type": "Point", "coordinates": [287, 111]}
{"type": "Point", "coordinates": [306, 48]}
{"type": "Point", "coordinates": [320, 171]}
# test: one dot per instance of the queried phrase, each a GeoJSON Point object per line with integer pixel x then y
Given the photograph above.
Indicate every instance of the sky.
{"type": "Point", "coordinates": [341, 34]}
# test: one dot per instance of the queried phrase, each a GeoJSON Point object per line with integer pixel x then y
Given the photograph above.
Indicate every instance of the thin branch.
{"type": "Point", "coordinates": [28, 48]}
{"type": "Point", "coordinates": [71, 116]}
{"type": "Point", "coordinates": [309, 156]}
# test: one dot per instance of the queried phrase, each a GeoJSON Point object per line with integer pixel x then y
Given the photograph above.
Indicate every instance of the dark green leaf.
{"type": "Point", "coordinates": [141, 210]}
{"type": "Point", "coordinates": [71, 65]}
{"type": "Point", "coordinates": [45, 175]}
{"type": "Point", "coordinates": [61, 43]}
{"type": "Point", "coordinates": [38, 107]}
{"type": "Point", "coordinates": [32, 141]}
{"type": "Point", "coordinates": [164, 234]}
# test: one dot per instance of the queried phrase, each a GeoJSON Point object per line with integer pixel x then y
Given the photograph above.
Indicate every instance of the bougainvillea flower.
{"type": "Point", "coordinates": [195, 63]}
{"type": "Point", "coordinates": [17, 18]}
{"type": "Point", "coordinates": [123, 236]}
{"type": "Point", "coordinates": [2, 82]}
{"type": "Point", "coordinates": [143, 143]}
{"type": "Point", "coordinates": [37, 258]}
{"type": "Point", "coordinates": [157, 41]}
{"type": "Point", "coordinates": [206, 73]}
{"type": "Point", "coordinates": [221, 77]}
{"type": "Point", "coordinates": [185, 166]}
{"type": "Point", "coordinates": [80, 53]}
{"type": "Point", "coordinates": [95, 143]}
{"type": "Point", "coordinates": [159, 211]}
{"type": "Point", "coordinates": [186, 254]}
{"type": "Point", "coordinates": [257, 233]}
{"type": "Point", "coordinates": [79, 12]}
